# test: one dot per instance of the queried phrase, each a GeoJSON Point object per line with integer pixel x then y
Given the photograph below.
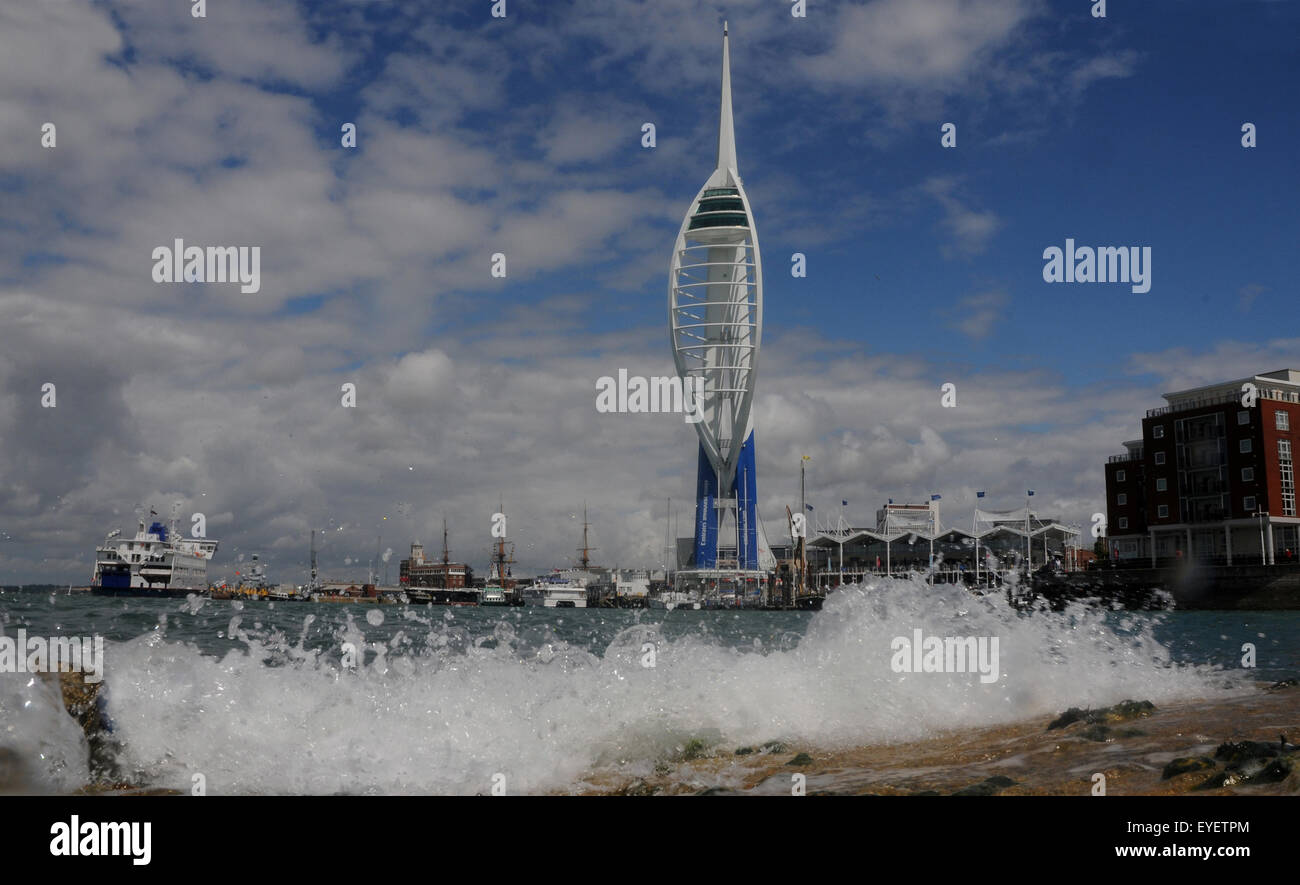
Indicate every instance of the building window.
{"type": "Point", "coordinates": [1248, 503]}
{"type": "Point", "coordinates": [1162, 511]}
{"type": "Point", "coordinates": [1287, 476]}
{"type": "Point", "coordinates": [1158, 431]}
{"type": "Point", "coordinates": [1120, 475]}
{"type": "Point", "coordinates": [1162, 485]}
{"type": "Point", "coordinates": [1160, 457]}
{"type": "Point", "coordinates": [1244, 447]}
{"type": "Point", "coordinates": [1121, 499]}
{"type": "Point", "coordinates": [1248, 474]}
{"type": "Point", "coordinates": [1281, 420]}
{"type": "Point", "coordinates": [1243, 417]}
{"type": "Point", "coordinates": [1123, 522]}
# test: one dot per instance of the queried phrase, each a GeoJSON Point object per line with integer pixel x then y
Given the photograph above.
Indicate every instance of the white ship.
{"type": "Point", "coordinates": [563, 590]}
{"type": "Point", "coordinates": [156, 562]}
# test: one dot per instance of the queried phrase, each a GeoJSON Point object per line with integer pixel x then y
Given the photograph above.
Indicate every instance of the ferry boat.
{"type": "Point", "coordinates": [156, 562]}
{"type": "Point", "coordinates": [560, 590]}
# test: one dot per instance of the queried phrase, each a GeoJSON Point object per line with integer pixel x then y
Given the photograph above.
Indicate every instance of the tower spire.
{"type": "Point", "coordinates": [726, 128]}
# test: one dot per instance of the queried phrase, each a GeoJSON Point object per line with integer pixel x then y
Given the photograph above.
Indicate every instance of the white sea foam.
{"type": "Point", "coordinates": [435, 709]}
{"type": "Point", "coordinates": [42, 749]}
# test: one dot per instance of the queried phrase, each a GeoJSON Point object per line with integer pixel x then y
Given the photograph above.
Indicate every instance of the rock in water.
{"type": "Point", "coordinates": [1235, 752]}
{"type": "Point", "coordinates": [1122, 711]}
{"type": "Point", "coordinates": [988, 787]}
{"type": "Point", "coordinates": [1253, 762]}
{"type": "Point", "coordinates": [85, 703]}
{"type": "Point", "coordinates": [1069, 717]}
{"type": "Point", "coordinates": [1126, 710]}
{"type": "Point", "coordinates": [1184, 764]}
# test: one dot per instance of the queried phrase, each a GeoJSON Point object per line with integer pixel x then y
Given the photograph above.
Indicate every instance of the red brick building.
{"type": "Point", "coordinates": [1212, 477]}
{"type": "Point", "coordinates": [420, 572]}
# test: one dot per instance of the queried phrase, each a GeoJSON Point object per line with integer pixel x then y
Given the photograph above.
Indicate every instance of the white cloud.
{"type": "Point", "coordinates": [970, 228]}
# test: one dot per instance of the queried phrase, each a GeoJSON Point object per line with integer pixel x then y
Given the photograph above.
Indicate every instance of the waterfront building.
{"type": "Point", "coordinates": [911, 538]}
{"type": "Point", "coordinates": [417, 571]}
{"type": "Point", "coordinates": [1212, 477]}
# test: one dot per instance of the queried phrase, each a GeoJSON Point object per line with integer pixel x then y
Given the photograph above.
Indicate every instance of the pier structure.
{"type": "Point", "coordinates": [910, 539]}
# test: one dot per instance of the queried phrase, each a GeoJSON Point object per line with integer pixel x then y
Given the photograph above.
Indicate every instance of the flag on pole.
{"type": "Point", "coordinates": [844, 503]}
{"type": "Point", "coordinates": [891, 500]}
{"type": "Point", "coordinates": [979, 494]}
{"type": "Point", "coordinates": [809, 506]}
{"type": "Point", "coordinates": [1031, 493]}
{"type": "Point", "coordinates": [935, 497]}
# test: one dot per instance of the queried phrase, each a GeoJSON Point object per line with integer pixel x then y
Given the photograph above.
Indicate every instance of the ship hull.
{"type": "Point", "coordinates": [441, 596]}
{"type": "Point", "coordinates": [160, 592]}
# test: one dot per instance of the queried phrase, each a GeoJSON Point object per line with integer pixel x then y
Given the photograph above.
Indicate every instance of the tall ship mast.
{"type": "Point", "coordinates": [586, 548]}
{"type": "Point", "coordinates": [314, 582]}
{"type": "Point", "coordinates": [501, 587]}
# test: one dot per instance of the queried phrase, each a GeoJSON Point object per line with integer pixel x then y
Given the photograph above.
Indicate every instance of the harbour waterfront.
{"type": "Point", "coordinates": [257, 697]}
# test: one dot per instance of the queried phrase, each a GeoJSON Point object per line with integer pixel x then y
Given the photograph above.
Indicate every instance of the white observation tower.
{"type": "Point", "coordinates": [715, 313]}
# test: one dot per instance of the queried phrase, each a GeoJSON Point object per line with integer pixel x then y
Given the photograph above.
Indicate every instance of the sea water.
{"type": "Point", "coordinates": [290, 697]}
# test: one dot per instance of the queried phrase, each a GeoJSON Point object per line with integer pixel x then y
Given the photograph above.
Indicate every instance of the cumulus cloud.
{"type": "Point", "coordinates": [470, 390]}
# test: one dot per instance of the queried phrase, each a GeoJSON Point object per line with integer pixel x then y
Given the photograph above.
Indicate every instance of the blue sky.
{"type": "Point", "coordinates": [523, 135]}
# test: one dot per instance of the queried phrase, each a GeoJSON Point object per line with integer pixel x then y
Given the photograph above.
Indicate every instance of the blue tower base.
{"type": "Point", "coordinates": [708, 491]}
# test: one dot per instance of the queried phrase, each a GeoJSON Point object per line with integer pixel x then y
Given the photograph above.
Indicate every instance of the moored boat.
{"type": "Point", "coordinates": [560, 590]}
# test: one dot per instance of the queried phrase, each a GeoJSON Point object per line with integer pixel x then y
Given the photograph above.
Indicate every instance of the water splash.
{"type": "Point", "coordinates": [442, 704]}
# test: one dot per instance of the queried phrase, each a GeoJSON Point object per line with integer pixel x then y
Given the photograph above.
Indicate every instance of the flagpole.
{"type": "Point", "coordinates": [1029, 565]}
{"type": "Point", "coordinates": [803, 542]}
{"type": "Point", "coordinates": [840, 527]}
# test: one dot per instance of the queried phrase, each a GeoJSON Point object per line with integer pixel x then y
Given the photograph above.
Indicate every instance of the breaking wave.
{"type": "Point", "coordinates": [438, 705]}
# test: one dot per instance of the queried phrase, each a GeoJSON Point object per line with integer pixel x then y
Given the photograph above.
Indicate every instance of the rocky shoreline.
{"type": "Point", "coordinates": [1231, 746]}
